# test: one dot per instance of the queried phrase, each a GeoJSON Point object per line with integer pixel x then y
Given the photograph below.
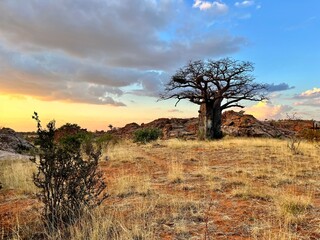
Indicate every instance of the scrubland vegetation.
{"type": "Point", "coordinates": [235, 188]}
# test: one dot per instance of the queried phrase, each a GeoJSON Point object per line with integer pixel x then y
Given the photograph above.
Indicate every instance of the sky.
{"type": "Point", "coordinates": [104, 62]}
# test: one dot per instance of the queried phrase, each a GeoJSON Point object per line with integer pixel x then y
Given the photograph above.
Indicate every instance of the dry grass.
{"type": "Point", "coordinates": [17, 175]}
{"type": "Point", "coordinates": [176, 171]}
{"type": "Point", "coordinates": [131, 184]}
{"type": "Point", "coordinates": [293, 208]}
{"type": "Point", "coordinates": [235, 188]}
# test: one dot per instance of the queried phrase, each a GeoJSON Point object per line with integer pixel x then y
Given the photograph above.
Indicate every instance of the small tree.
{"type": "Point", "coordinates": [68, 129]}
{"type": "Point", "coordinates": [67, 175]}
{"type": "Point", "coordinates": [215, 86]}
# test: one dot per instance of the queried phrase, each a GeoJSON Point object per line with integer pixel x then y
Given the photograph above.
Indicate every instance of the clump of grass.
{"type": "Point", "coordinates": [248, 192]}
{"type": "Point", "coordinates": [264, 231]}
{"type": "Point", "coordinates": [17, 175]}
{"type": "Point", "coordinates": [175, 172]}
{"type": "Point", "coordinates": [281, 180]}
{"type": "Point", "coordinates": [180, 144]}
{"type": "Point", "coordinates": [122, 153]}
{"type": "Point", "coordinates": [292, 207]}
{"type": "Point", "coordinates": [128, 185]}
{"type": "Point", "coordinates": [235, 183]}
{"type": "Point", "coordinates": [106, 223]}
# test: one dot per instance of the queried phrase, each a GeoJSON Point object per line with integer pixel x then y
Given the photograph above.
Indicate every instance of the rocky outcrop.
{"type": "Point", "coordinates": [126, 131]}
{"type": "Point", "coordinates": [240, 124]}
{"type": "Point", "coordinates": [233, 124]}
{"type": "Point", "coordinates": [11, 141]}
{"type": "Point", "coordinates": [171, 128]}
{"type": "Point", "coordinates": [175, 127]}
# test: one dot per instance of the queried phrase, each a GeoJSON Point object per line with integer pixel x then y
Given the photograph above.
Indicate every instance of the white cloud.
{"type": "Point", "coordinates": [266, 110]}
{"type": "Point", "coordinates": [217, 7]}
{"type": "Point", "coordinates": [246, 3]}
{"type": "Point", "coordinates": [308, 98]}
{"type": "Point", "coordinates": [313, 93]}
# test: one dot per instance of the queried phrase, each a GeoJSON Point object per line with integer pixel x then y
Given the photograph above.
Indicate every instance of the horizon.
{"type": "Point", "coordinates": [106, 62]}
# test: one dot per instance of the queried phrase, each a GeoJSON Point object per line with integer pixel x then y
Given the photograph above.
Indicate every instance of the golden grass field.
{"type": "Point", "coordinates": [235, 188]}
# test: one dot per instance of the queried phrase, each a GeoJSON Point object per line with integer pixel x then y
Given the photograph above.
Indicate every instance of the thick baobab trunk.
{"type": "Point", "coordinates": [216, 126]}
{"type": "Point", "coordinates": [210, 121]}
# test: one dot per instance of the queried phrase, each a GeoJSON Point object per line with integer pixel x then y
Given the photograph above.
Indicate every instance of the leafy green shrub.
{"type": "Point", "coordinates": [146, 135]}
{"type": "Point", "coordinates": [67, 175]}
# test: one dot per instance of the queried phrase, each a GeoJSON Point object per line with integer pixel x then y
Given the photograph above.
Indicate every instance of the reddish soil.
{"type": "Point", "coordinates": [222, 216]}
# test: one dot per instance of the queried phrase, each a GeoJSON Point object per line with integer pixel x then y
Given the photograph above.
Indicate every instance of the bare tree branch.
{"type": "Point", "coordinates": [208, 81]}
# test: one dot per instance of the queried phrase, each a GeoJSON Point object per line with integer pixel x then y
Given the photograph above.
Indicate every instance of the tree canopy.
{"type": "Point", "coordinates": [207, 81]}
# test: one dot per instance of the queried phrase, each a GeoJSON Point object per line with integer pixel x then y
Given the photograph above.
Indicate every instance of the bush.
{"type": "Point", "coordinates": [310, 134]}
{"type": "Point", "coordinates": [68, 129]}
{"type": "Point", "coordinates": [147, 135]}
{"type": "Point", "coordinates": [67, 175]}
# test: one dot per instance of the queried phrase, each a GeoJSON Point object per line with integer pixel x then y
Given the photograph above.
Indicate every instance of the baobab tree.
{"type": "Point", "coordinates": [215, 86]}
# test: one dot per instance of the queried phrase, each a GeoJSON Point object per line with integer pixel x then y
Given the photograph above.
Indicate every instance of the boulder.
{"type": "Point", "coordinates": [11, 141]}
{"type": "Point", "coordinates": [245, 125]}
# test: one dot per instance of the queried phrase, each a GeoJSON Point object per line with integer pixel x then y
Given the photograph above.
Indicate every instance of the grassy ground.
{"type": "Point", "coordinates": [229, 189]}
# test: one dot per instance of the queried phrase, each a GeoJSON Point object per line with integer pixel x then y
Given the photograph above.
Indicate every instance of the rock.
{"type": "Point", "coordinates": [11, 141]}
{"type": "Point", "coordinates": [171, 128]}
{"type": "Point", "coordinates": [175, 127]}
{"type": "Point", "coordinates": [233, 124]}
{"type": "Point", "coordinates": [240, 124]}
{"type": "Point", "coordinates": [127, 131]}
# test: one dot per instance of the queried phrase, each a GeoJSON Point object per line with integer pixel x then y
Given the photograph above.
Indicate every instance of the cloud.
{"type": "Point", "coordinates": [308, 98]}
{"type": "Point", "coordinates": [246, 3]}
{"type": "Point", "coordinates": [175, 111]}
{"type": "Point", "coordinates": [313, 103]}
{"type": "Point", "coordinates": [278, 87]}
{"type": "Point", "coordinates": [267, 110]}
{"type": "Point", "coordinates": [217, 7]}
{"type": "Point", "coordinates": [96, 52]}
{"type": "Point", "coordinates": [313, 93]}
{"type": "Point", "coordinates": [108, 31]}
{"type": "Point", "coordinates": [150, 84]}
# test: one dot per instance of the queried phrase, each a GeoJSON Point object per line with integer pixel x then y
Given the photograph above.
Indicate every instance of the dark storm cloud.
{"type": "Point", "coordinates": [88, 51]}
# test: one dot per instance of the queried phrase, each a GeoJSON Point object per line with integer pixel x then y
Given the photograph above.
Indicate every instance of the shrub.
{"type": "Point", "coordinates": [68, 129]}
{"type": "Point", "coordinates": [67, 175]}
{"type": "Point", "coordinates": [146, 135]}
{"type": "Point", "coordinates": [310, 134]}
{"type": "Point", "coordinates": [107, 140]}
